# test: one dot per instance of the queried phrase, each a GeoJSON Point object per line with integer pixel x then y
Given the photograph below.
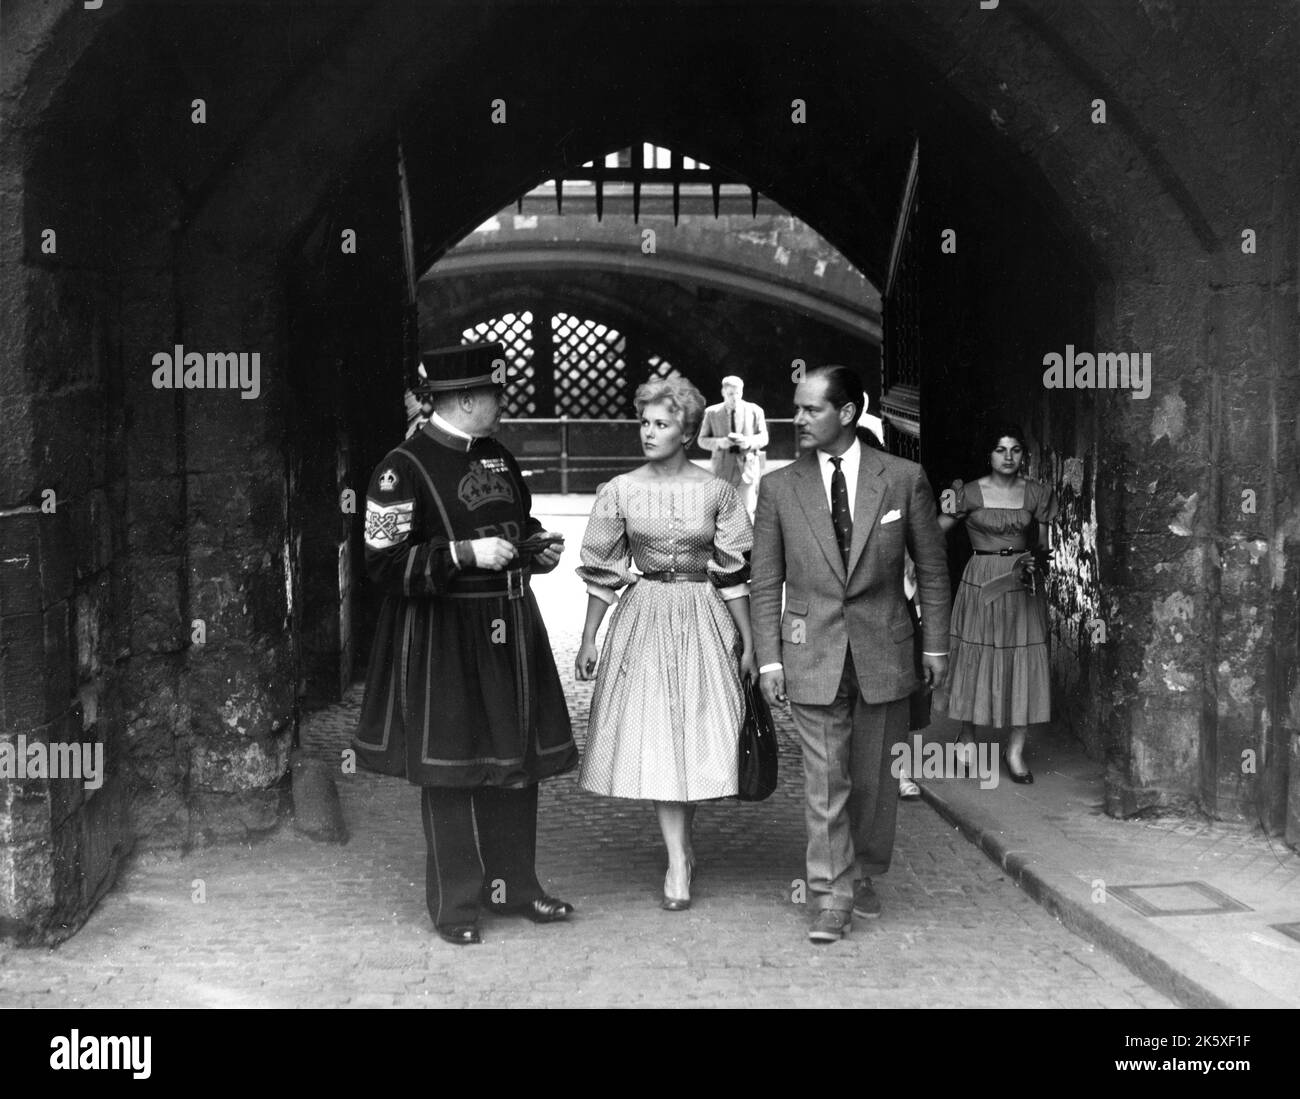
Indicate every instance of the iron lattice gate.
{"type": "Point", "coordinates": [584, 370]}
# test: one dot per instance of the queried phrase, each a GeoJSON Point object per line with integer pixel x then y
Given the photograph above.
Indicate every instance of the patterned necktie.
{"type": "Point", "coordinates": [840, 510]}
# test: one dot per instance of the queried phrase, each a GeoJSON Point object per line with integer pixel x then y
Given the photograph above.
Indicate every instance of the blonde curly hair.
{"type": "Point", "coordinates": [682, 398]}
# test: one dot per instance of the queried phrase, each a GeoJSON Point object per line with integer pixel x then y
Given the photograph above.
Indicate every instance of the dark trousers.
{"type": "Point", "coordinates": [463, 872]}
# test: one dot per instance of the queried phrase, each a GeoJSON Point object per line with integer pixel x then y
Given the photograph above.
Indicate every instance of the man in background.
{"type": "Point", "coordinates": [735, 432]}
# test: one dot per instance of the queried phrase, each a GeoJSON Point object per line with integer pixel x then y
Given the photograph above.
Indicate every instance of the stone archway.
{"type": "Point", "coordinates": [180, 507]}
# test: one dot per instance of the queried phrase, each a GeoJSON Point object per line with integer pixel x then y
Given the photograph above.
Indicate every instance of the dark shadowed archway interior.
{"type": "Point", "coordinates": [273, 181]}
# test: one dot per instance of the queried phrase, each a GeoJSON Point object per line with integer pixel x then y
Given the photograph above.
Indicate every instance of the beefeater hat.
{"type": "Point", "coordinates": [464, 366]}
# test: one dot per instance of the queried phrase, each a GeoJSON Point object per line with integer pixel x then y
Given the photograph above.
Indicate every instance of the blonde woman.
{"type": "Point", "coordinates": [668, 704]}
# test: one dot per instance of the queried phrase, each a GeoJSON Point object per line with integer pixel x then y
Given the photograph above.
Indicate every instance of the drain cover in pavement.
{"type": "Point", "coordinates": [1291, 929]}
{"type": "Point", "coordinates": [1182, 898]}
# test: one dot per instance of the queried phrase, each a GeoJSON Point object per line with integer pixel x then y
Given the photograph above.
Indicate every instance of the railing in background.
{"type": "Point", "coordinates": [564, 455]}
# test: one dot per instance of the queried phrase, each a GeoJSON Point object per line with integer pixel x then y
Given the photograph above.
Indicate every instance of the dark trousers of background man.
{"type": "Point", "coordinates": [850, 796]}
{"type": "Point", "coordinates": [462, 874]}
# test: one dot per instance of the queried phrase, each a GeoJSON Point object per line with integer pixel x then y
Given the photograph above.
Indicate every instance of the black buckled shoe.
{"type": "Point", "coordinates": [461, 934]}
{"type": "Point", "coordinates": [544, 909]}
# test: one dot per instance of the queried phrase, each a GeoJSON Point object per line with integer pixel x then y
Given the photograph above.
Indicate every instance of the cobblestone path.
{"type": "Point", "coordinates": [289, 922]}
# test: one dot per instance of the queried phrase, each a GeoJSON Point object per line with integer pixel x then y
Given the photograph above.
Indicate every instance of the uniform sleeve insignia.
{"type": "Point", "coordinates": [387, 524]}
{"type": "Point", "coordinates": [387, 481]}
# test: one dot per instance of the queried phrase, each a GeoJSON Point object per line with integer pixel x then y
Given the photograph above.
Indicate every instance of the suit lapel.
{"type": "Point", "coordinates": [812, 498]}
{"type": "Point", "coordinates": [867, 502]}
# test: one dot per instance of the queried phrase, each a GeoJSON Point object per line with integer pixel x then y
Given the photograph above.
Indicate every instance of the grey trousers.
{"type": "Point", "coordinates": [850, 796]}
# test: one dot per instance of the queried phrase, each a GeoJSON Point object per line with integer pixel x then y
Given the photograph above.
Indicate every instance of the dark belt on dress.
{"type": "Point", "coordinates": [999, 553]}
{"type": "Point", "coordinates": [512, 583]}
{"type": "Point", "coordinates": [676, 577]}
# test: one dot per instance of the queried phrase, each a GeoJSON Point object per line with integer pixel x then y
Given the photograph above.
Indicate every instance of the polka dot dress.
{"type": "Point", "coordinates": [667, 706]}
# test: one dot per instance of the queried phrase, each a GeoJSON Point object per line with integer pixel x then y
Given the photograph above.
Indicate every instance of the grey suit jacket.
{"type": "Point", "coordinates": [731, 465]}
{"type": "Point", "coordinates": [864, 611]}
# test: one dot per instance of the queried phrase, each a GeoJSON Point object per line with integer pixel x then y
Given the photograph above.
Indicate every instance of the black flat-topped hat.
{"type": "Point", "coordinates": [462, 367]}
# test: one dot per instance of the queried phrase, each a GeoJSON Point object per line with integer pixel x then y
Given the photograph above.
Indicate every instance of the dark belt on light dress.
{"type": "Point", "coordinates": [511, 583]}
{"type": "Point", "coordinates": [676, 577]}
{"type": "Point", "coordinates": [1000, 553]}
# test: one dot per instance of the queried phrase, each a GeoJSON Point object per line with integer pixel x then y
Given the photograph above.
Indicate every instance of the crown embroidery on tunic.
{"type": "Point", "coordinates": [484, 485]}
{"type": "Point", "coordinates": [387, 481]}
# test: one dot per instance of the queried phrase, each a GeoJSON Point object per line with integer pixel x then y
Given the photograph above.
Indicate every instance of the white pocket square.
{"type": "Point", "coordinates": [890, 516]}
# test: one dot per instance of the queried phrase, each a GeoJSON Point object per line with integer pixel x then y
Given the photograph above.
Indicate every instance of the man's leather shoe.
{"type": "Point", "coordinates": [865, 902]}
{"type": "Point", "coordinates": [461, 934]}
{"type": "Point", "coordinates": [829, 926]}
{"type": "Point", "coordinates": [542, 910]}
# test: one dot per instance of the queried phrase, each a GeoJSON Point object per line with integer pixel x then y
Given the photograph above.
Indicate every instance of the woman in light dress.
{"type": "Point", "coordinates": [668, 703]}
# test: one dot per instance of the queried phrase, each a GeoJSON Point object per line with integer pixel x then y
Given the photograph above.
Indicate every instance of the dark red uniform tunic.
{"type": "Point", "coordinates": [462, 688]}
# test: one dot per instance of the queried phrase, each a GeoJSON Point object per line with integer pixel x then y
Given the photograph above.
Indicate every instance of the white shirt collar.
{"type": "Point", "coordinates": [454, 432]}
{"type": "Point", "coordinates": [851, 457]}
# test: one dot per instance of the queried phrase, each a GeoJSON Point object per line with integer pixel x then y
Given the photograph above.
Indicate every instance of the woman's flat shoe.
{"type": "Point", "coordinates": [1025, 778]}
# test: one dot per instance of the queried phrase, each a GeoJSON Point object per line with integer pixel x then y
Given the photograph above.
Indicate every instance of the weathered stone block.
{"type": "Point", "coordinates": [228, 509]}
{"type": "Point", "coordinates": [1165, 746]}
{"type": "Point", "coordinates": [20, 563]}
{"type": "Point", "coordinates": [226, 434]}
{"type": "Point", "coordinates": [152, 435]}
{"type": "Point", "coordinates": [62, 326]}
{"type": "Point", "coordinates": [57, 553]}
{"type": "Point", "coordinates": [25, 804]}
{"type": "Point", "coordinates": [58, 663]}
{"type": "Point", "coordinates": [245, 817]}
{"type": "Point", "coordinates": [240, 596]}
{"type": "Point", "coordinates": [156, 624]}
{"type": "Point", "coordinates": [232, 765]}
{"type": "Point", "coordinates": [22, 666]}
{"type": "Point", "coordinates": [1173, 645]}
{"type": "Point", "coordinates": [1154, 562]}
{"type": "Point", "coordinates": [92, 533]}
{"type": "Point", "coordinates": [26, 888]}
{"type": "Point", "coordinates": [1293, 794]}
{"type": "Point", "coordinates": [155, 524]}
{"type": "Point", "coordinates": [93, 612]}
{"type": "Point", "coordinates": [317, 812]}
{"type": "Point", "coordinates": [160, 818]}
{"type": "Point", "coordinates": [70, 432]}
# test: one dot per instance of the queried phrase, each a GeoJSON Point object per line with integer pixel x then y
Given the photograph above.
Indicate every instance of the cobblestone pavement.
{"type": "Point", "coordinates": [293, 923]}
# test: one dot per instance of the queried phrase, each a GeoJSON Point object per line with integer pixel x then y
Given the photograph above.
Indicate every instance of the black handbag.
{"type": "Point", "coordinates": [757, 747]}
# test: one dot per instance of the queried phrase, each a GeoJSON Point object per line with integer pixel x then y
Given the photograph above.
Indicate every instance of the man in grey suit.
{"type": "Point", "coordinates": [832, 528]}
{"type": "Point", "coordinates": [735, 432]}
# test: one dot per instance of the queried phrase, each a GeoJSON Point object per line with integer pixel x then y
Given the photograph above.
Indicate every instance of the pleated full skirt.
{"type": "Point", "coordinates": [999, 669]}
{"type": "Point", "coordinates": [667, 707]}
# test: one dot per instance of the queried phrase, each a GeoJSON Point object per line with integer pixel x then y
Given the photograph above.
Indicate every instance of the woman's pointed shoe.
{"type": "Point", "coordinates": [1024, 778]}
{"type": "Point", "coordinates": [675, 904]}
